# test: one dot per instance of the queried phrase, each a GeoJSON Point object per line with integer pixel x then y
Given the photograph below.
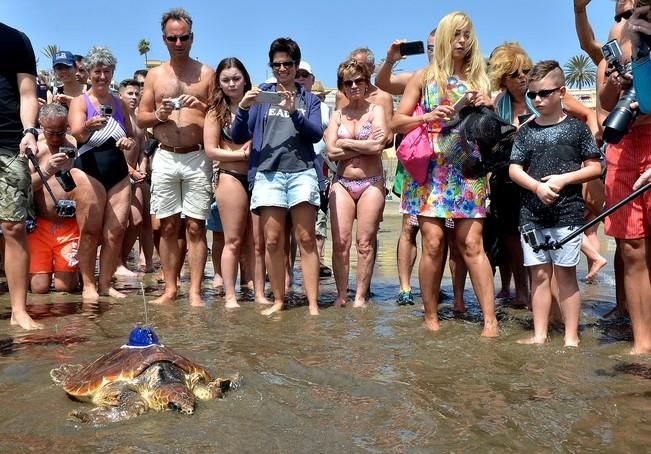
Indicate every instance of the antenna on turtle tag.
{"type": "Point", "coordinates": [144, 302]}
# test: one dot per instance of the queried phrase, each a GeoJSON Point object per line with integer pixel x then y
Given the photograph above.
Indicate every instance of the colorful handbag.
{"type": "Point", "coordinates": [415, 151]}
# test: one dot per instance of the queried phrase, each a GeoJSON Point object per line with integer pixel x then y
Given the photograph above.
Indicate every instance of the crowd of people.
{"type": "Point", "coordinates": [182, 149]}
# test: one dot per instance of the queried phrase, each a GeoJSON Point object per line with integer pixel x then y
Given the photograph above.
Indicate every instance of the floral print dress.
{"type": "Point", "coordinates": [452, 189]}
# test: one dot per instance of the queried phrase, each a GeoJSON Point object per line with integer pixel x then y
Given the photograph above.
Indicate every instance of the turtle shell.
{"type": "Point", "coordinates": [123, 364]}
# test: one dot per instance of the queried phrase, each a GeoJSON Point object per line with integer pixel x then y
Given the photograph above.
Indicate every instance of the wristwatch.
{"type": "Point", "coordinates": [32, 131]}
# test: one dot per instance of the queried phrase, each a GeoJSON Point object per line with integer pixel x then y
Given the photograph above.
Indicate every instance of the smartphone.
{"type": "Point", "coordinates": [412, 48]}
{"type": "Point", "coordinates": [268, 97]}
{"type": "Point", "coordinates": [461, 103]}
{"type": "Point", "coordinates": [41, 91]}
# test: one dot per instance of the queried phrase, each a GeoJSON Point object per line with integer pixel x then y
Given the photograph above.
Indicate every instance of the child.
{"type": "Point", "coordinates": [551, 157]}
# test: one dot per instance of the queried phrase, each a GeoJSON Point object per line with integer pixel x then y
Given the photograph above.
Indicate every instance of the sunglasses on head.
{"type": "Point", "coordinates": [541, 93]}
{"type": "Point", "coordinates": [626, 15]}
{"type": "Point", "coordinates": [182, 38]}
{"type": "Point", "coordinates": [285, 64]}
{"type": "Point", "coordinates": [519, 72]}
{"type": "Point", "coordinates": [349, 83]}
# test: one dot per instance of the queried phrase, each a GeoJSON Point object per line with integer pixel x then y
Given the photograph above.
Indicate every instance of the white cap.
{"type": "Point", "coordinates": [271, 80]}
{"type": "Point", "coordinates": [306, 66]}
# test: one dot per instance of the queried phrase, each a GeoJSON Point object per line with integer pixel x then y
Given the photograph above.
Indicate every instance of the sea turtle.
{"type": "Point", "coordinates": [143, 374]}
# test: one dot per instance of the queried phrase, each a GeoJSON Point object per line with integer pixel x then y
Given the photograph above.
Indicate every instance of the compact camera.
{"type": "Point", "coordinates": [105, 110]}
{"type": "Point", "coordinates": [619, 120]}
{"type": "Point", "coordinates": [66, 208]}
{"type": "Point", "coordinates": [71, 152]}
{"type": "Point", "coordinates": [177, 103]}
{"type": "Point", "coordinates": [533, 237]}
{"type": "Point", "coordinates": [64, 177]}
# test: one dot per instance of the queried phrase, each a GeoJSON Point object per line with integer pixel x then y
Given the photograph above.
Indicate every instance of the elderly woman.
{"type": "Point", "coordinates": [355, 139]}
{"type": "Point", "coordinates": [101, 125]}
{"type": "Point", "coordinates": [455, 187]}
{"type": "Point", "coordinates": [509, 65]}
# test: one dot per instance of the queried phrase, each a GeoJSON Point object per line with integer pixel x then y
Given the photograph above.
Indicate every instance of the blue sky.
{"type": "Point", "coordinates": [325, 30]}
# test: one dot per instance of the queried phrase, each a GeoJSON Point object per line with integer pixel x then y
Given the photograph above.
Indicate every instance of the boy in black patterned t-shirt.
{"type": "Point", "coordinates": [551, 157]}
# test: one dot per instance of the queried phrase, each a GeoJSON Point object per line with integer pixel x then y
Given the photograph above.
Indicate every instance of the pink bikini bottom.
{"type": "Point", "coordinates": [357, 187]}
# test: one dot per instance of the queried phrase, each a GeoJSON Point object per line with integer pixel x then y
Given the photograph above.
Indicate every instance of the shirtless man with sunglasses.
{"type": "Point", "coordinates": [174, 104]}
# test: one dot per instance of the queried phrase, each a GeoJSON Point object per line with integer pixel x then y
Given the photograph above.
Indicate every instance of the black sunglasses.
{"type": "Point", "coordinates": [541, 93]}
{"type": "Point", "coordinates": [182, 38]}
{"type": "Point", "coordinates": [624, 15]}
{"type": "Point", "coordinates": [518, 73]}
{"type": "Point", "coordinates": [278, 64]}
{"type": "Point", "coordinates": [349, 83]}
{"type": "Point", "coordinates": [302, 73]}
{"type": "Point", "coordinates": [48, 132]}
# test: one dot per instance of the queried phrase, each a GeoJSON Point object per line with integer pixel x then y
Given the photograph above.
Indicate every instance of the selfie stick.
{"type": "Point", "coordinates": [553, 245]}
{"type": "Point", "coordinates": [30, 154]}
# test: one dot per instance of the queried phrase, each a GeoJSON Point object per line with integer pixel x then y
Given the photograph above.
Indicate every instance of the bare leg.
{"type": "Point", "coordinates": [469, 239]}
{"type": "Point", "coordinates": [155, 233]}
{"type": "Point", "coordinates": [17, 272]}
{"type": "Point", "coordinates": [197, 256]}
{"type": "Point", "coordinates": [290, 255]}
{"type": "Point", "coordinates": [304, 220]}
{"type": "Point", "coordinates": [216, 256]}
{"type": "Point", "coordinates": [541, 300]}
{"type": "Point", "coordinates": [39, 283]}
{"type": "Point", "coordinates": [116, 216]}
{"type": "Point", "coordinates": [369, 212]}
{"type": "Point", "coordinates": [260, 265]}
{"type": "Point", "coordinates": [146, 239]}
{"type": "Point", "coordinates": [570, 302]}
{"type": "Point", "coordinates": [132, 231]}
{"type": "Point", "coordinates": [636, 255]}
{"type": "Point", "coordinates": [520, 274]}
{"type": "Point", "coordinates": [169, 257]}
{"type": "Point", "coordinates": [273, 224]}
{"type": "Point", "coordinates": [430, 268]}
{"type": "Point", "coordinates": [458, 270]}
{"type": "Point", "coordinates": [595, 260]}
{"type": "Point", "coordinates": [505, 278]}
{"type": "Point", "coordinates": [342, 216]}
{"type": "Point", "coordinates": [406, 252]}
{"type": "Point", "coordinates": [66, 282]}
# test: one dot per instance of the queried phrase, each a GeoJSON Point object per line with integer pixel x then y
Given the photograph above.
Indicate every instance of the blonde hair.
{"type": "Point", "coordinates": [442, 65]}
{"type": "Point", "coordinates": [505, 60]}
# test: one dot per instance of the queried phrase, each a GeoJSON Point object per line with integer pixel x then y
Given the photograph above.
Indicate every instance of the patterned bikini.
{"type": "Point", "coordinates": [356, 187]}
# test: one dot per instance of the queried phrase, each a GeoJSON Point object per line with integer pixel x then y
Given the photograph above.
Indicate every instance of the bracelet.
{"type": "Point", "coordinates": [246, 109]}
{"type": "Point", "coordinates": [391, 63]}
{"type": "Point", "coordinates": [158, 118]}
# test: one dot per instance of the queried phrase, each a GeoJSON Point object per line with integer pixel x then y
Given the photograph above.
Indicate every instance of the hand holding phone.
{"type": "Point", "coordinates": [268, 97]}
{"type": "Point", "coordinates": [412, 48]}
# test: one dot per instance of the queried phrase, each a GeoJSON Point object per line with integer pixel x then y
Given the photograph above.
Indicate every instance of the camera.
{"type": "Point", "coordinates": [66, 208]}
{"type": "Point", "coordinates": [619, 120]}
{"type": "Point", "coordinates": [533, 237]}
{"type": "Point", "coordinates": [70, 152]}
{"type": "Point", "coordinates": [64, 177]}
{"type": "Point", "coordinates": [105, 110]}
{"type": "Point", "coordinates": [177, 103]}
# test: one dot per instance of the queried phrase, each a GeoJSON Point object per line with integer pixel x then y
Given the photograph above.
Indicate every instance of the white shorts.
{"type": "Point", "coordinates": [180, 183]}
{"type": "Point", "coordinates": [567, 256]}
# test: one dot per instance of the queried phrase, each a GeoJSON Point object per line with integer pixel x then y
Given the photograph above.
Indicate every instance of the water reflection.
{"type": "Point", "coordinates": [346, 381]}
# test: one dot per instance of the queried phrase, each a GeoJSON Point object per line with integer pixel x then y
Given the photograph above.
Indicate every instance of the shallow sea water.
{"type": "Point", "coordinates": [350, 380]}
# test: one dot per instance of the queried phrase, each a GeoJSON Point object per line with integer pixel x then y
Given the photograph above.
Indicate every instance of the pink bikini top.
{"type": "Point", "coordinates": [364, 131]}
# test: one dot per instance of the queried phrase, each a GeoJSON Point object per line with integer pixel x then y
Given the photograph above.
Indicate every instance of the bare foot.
{"type": "Point", "coordinates": [261, 299]}
{"type": "Point", "coordinates": [571, 342]}
{"type": "Point", "coordinates": [490, 329]}
{"type": "Point", "coordinates": [89, 294]}
{"type": "Point", "coordinates": [165, 298]}
{"type": "Point", "coordinates": [532, 340]}
{"type": "Point", "coordinates": [505, 293]}
{"type": "Point", "coordinates": [123, 271]}
{"type": "Point", "coordinates": [195, 299]}
{"type": "Point", "coordinates": [148, 269]}
{"type": "Point", "coordinates": [362, 302]}
{"type": "Point", "coordinates": [231, 303]}
{"type": "Point", "coordinates": [459, 307]}
{"type": "Point", "coordinates": [431, 323]}
{"type": "Point", "coordinates": [112, 293]}
{"type": "Point", "coordinates": [314, 310]}
{"type": "Point", "coordinates": [217, 281]}
{"type": "Point", "coordinates": [23, 320]}
{"type": "Point", "coordinates": [597, 265]}
{"type": "Point", "coordinates": [341, 301]}
{"type": "Point", "coordinates": [277, 307]}
{"type": "Point", "coordinates": [639, 351]}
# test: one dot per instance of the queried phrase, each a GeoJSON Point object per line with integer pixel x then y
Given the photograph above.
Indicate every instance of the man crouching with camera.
{"type": "Point", "coordinates": [627, 159]}
{"type": "Point", "coordinates": [54, 243]}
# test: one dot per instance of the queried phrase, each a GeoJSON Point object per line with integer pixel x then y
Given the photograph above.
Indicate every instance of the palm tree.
{"type": "Point", "coordinates": [50, 50]}
{"type": "Point", "coordinates": [580, 72]}
{"type": "Point", "coordinates": [143, 48]}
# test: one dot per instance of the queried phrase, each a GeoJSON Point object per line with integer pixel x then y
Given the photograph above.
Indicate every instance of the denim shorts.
{"type": "Point", "coordinates": [566, 256]}
{"type": "Point", "coordinates": [214, 222]}
{"type": "Point", "coordinates": [285, 190]}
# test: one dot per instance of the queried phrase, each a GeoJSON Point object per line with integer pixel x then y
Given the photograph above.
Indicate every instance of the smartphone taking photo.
{"type": "Point", "coordinates": [412, 48]}
{"type": "Point", "coordinates": [268, 97]}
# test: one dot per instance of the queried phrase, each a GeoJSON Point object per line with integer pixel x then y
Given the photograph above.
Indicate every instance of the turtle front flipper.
{"type": "Point", "coordinates": [129, 404]}
{"type": "Point", "coordinates": [216, 388]}
{"type": "Point", "coordinates": [61, 373]}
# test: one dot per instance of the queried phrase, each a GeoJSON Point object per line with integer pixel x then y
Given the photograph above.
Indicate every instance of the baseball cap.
{"type": "Point", "coordinates": [305, 66]}
{"type": "Point", "coordinates": [63, 58]}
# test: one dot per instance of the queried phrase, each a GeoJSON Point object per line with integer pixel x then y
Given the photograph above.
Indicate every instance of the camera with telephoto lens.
{"type": "Point", "coordinates": [532, 236]}
{"type": "Point", "coordinates": [618, 122]}
{"type": "Point", "coordinates": [66, 208]}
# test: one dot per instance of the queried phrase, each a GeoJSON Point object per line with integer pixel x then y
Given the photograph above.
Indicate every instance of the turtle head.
{"type": "Point", "coordinates": [174, 396]}
{"type": "Point", "coordinates": [142, 337]}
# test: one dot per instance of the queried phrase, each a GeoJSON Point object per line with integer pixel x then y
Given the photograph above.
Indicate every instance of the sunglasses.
{"type": "Point", "coordinates": [284, 64]}
{"type": "Point", "coordinates": [48, 132]}
{"type": "Point", "coordinates": [542, 93]}
{"type": "Point", "coordinates": [430, 48]}
{"type": "Point", "coordinates": [302, 73]}
{"type": "Point", "coordinates": [626, 15]}
{"type": "Point", "coordinates": [518, 73]}
{"type": "Point", "coordinates": [174, 38]}
{"type": "Point", "coordinates": [349, 83]}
